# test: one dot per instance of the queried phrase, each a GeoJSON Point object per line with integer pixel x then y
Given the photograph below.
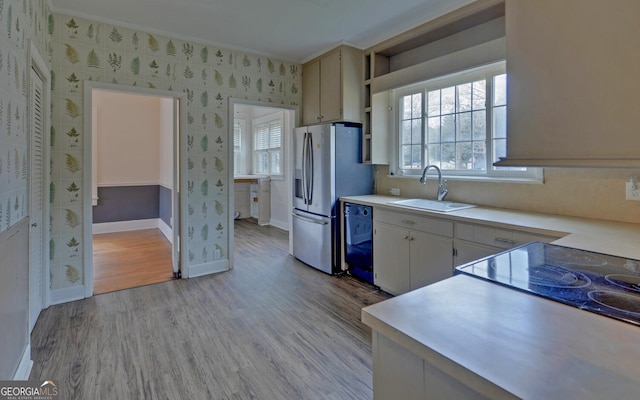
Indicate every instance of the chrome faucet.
{"type": "Point", "coordinates": [442, 185]}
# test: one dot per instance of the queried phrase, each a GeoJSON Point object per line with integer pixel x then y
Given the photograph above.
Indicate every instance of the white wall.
{"type": "Point", "coordinates": [129, 129]}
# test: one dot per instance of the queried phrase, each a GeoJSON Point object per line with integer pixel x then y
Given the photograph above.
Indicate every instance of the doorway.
{"type": "Point", "coordinates": [135, 199]}
{"type": "Point", "coordinates": [250, 119]}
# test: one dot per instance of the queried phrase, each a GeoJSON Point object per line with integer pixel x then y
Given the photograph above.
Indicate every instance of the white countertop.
{"type": "Point", "coordinates": [503, 343]}
{"type": "Point", "coordinates": [608, 237]}
{"type": "Point", "coordinates": [249, 177]}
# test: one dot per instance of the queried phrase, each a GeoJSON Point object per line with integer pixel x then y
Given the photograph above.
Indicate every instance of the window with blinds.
{"type": "Point", "coordinates": [237, 142]}
{"type": "Point", "coordinates": [267, 147]}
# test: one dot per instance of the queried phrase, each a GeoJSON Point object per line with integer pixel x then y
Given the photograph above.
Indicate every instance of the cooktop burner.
{"type": "Point", "coordinates": [599, 283]}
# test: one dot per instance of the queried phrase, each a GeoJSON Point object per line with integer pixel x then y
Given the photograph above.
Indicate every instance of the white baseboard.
{"type": "Point", "coordinates": [279, 224]}
{"type": "Point", "coordinates": [59, 296]}
{"type": "Point", "coordinates": [122, 226]}
{"type": "Point", "coordinates": [194, 271]}
{"type": "Point", "coordinates": [24, 368]}
{"type": "Point", "coordinates": [166, 230]}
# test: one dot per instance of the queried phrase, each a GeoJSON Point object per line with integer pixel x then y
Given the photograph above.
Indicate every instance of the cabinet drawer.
{"type": "Point", "coordinates": [497, 237]}
{"type": "Point", "coordinates": [415, 222]}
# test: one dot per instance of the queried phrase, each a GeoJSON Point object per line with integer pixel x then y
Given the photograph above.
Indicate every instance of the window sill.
{"type": "Point", "coordinates": [468, 178]}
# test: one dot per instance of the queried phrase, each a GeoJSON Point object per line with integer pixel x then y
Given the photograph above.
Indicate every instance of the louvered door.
{"type": "Point", "coordinates": [36, 198]}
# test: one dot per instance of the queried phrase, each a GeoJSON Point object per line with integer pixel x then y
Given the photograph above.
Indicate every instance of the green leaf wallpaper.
{"type": "Point", "coordinates": [18, 24]}
{"type": "Point", "coordinates": [208, 75]}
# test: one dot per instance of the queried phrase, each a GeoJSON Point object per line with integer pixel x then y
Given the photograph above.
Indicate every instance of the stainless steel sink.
{"type": "Point", "coordinates": [432, 205]}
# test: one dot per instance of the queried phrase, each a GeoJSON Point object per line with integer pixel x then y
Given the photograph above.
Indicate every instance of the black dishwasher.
{"type": "Point", "coordinates": [359, 240]}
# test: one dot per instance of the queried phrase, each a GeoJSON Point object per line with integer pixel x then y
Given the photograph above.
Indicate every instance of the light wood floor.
{"type": "Point", "coordinates": [271, 328]}
{"type": "Point", "coordinates": [123, 260]}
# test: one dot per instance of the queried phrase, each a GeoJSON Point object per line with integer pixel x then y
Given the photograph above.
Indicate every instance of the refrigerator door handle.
{"type": "Point", "coordinates": [307, 219]}
{"type": "Point", "coordinates": [310, 169]}
{"type": "Point", "coordinates": [304, 167]}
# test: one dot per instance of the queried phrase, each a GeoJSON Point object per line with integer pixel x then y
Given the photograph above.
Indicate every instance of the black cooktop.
{"type": "Point", "coordinates": [599, 283]}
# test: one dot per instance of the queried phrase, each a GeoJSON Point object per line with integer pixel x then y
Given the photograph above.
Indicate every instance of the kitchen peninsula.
{"type": "Point", "coordinates": [464, 337]}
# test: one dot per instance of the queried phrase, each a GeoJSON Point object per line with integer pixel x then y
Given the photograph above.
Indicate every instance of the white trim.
{"type": "Point", "coordinates": [279, 224]}
{"type": "Point", "coordinates": [116, 184]}
{"type": "Point", "coordinates": [41, 67]}
{"type": "Point", "coordinates": [482, 72]}
{"type": "Point", "coordinates": [26, 363]}
{"type": "Point", "coordinates": [59, 296]}
{"type": "Point", "coordinates": [179, 196]}
{"type": "Point", "coordinates": [124, 226]}
{"type": "Point", "coordinates": [214, 267]}
{"type": "Point", "coordinates": [166, 230]}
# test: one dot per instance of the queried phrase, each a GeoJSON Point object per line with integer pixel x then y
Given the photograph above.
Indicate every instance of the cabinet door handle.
{"type": "Point", "coordinates": [410, 238]}
{"type": "Point", "coordinates": [507, 241]}
{"type": "Point", "coordinates": [408, 222]}
{"type": "Point", "coordinates": [406, 237]}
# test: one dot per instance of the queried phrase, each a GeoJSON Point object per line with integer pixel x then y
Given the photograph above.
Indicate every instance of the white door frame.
{"type": "Point", "coordinates": [38, 64]}
{"type": "Point", "coordinates": [290, 125]}
{"type": "Point", "coordinates": [179, 197]}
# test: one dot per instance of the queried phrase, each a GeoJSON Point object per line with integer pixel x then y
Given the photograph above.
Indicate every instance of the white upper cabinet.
{"type": "Point", "coordinates": [573, 83]}
{"type": "Point", "coordinates": [331, 87]}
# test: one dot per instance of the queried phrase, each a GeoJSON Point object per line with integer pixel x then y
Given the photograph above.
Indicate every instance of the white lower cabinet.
{"type": "Point", "coordinates": [466, 252]}
{"type": "Point", "coordinates": [400, 374]}
{"type": "Point", "coordinates": [474, 241]}
{"type": "Point", "coordinates": [410, 251]}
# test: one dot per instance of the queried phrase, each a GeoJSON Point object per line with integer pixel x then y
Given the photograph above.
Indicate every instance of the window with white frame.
{"type": "Point", "coordinates": [238, 127]}
{"type": "Point", "coordinates": [267, 147]}
{"type": "Point", "coordinates": [458, 123]}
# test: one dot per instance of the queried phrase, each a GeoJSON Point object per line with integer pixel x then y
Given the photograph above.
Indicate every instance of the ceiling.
{"type": "Point", "coordinates": [293, 30]}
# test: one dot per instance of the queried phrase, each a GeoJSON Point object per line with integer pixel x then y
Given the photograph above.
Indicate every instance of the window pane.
{"type": "Point", "coordinates": [262, 162]}
{"type": "Point", "coordinates": [479, 125]}
{"type": "Point", "coordinates": [500, 122]}
{"type": "Point", "coordinates": [416, 131]}
{"type": "Point", "coordinates": [479, 95]}
{"type": "Point", "coordinates": [406, 132]}
{"type": "Point", "coordinates": [433, 133]}
{"type": "Point", "coordinates": [448, 128]}
{"type": "Point", "coordinates": [406, 107]}
{"type": "Point", "coordinates": [416, 106]}
{"type": "Point", "coordinates": [464, 156]}
{"type": "Point", "coordinates": [449, 100]}
{"type": "Point", "coordinates": [275, 163]}
{"type": "Point", "coordinates": [464, 97]}
{"type": "Point", "coordinates": [464, 126]}
{"type": "Point", "coordinates": [416, 156]}
{"type": "Point", "coordinates": [433, 103]}
{"type": "Point", "coordinates": [448, 155]}
{"type": "Point", "coordinates": [500, 90]}
{"type": "Point", "coordinates": [499, 149]}
{"type": "Point", "coordinates": [479, 156]}
{"type": "Point", "coordinates": [434, 155]}
{"type": "Point", "coordinates": [406, 157]}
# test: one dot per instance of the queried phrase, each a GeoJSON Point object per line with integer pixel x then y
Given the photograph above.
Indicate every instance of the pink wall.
{"type": "Point", "coordinates": [131, 140]}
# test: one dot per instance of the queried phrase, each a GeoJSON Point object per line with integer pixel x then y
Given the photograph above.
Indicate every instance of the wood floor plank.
{"type": "Point", "coordinates": [123, 260]}
{"type": "Point", "coordinates": [271, 328]}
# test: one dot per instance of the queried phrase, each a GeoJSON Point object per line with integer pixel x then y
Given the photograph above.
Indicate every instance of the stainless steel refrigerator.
{"type": "Point", "coordinates": [327, 165]}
